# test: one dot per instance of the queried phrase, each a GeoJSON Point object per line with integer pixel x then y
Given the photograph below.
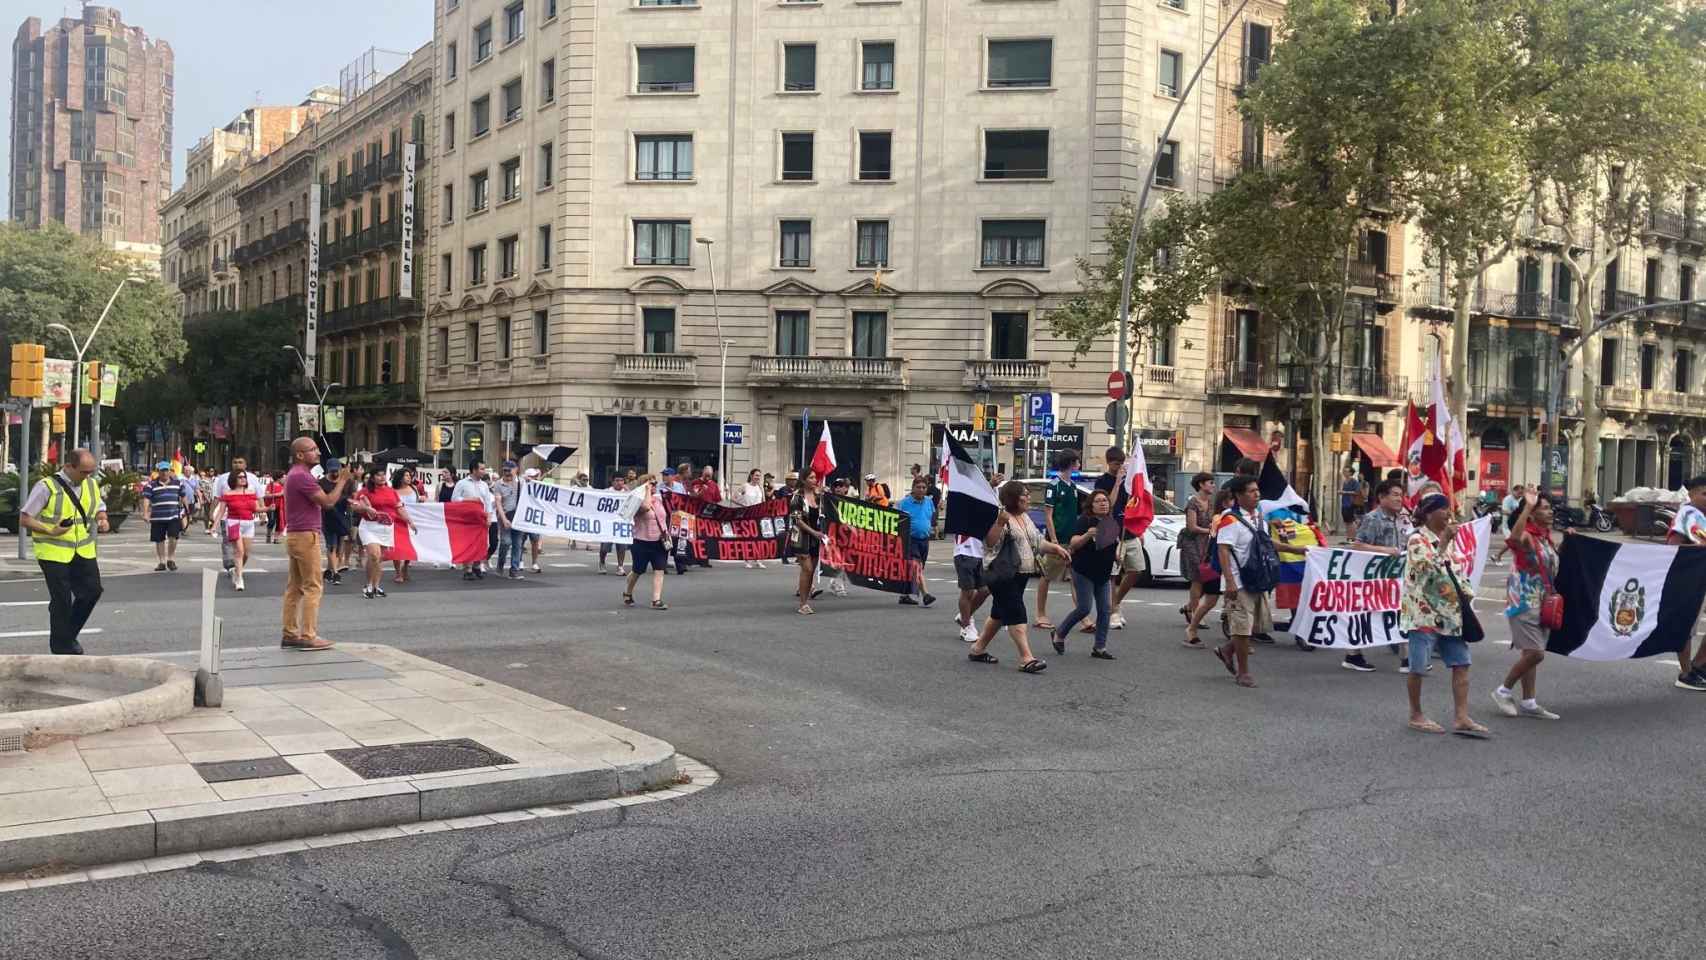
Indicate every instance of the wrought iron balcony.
{"type": "Point", "coordinates": [1294, 379]}
{"type": "Point", "coordinates": [1616, 301]}
{"type": "Point", "coordinates": [1373, 276]}
{"type": "Point", "coordinates": [1538, 306]}
{"type": "Point", "coordinates": [376, 395]}
{"type": "Point", "coordinates": [1002, 374]}
{"type": "Point", "coordinates": [656, 367]}
{"type": "Point", "coordinates": [192, 278]}
{"type": "Point", "coordinates": [827, 371]}
{"type": "Point", "coordinates": [192, 235]}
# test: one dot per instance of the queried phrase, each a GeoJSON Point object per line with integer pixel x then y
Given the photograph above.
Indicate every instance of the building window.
{"type": "Point", "coordinates": [1161, 349]}
{"type": "Point", "coordinates": [797, 156]}
{"type": "Point", "coordinates": [506, 331]}
{"type": "Point", "coordinates": [446, 274]}
{"type": "Point", "coordinates": [1608, 364]}
{"type": "Point", "coordinates": [1258, 45]}
{"type": "Point", "coordinates": [1021, 63]}
{"type": "Point", "coordinates": [547, 158]}
{"type": "Point", "coordinates": [796, 243]}
{"type": "Point", "coordinates": [1008, 340]}
{"type": "Point", "coordinates": [793, 333]}
{"type": "Point", "coordinates": [450, 60]}
{"type": "Point", "coordinates": [1168, 80]}
{"type": "Point", "coordinates": [875, 155]}
{"type": "Point", "coordinates": [1684, 360]}
{"type": "Point", "coordinates": [508, 248]}
{"type": "Point", "coordinates": [449, 203]}
{"type": "Point", "coordinates": [513, 23]}
{"type": "Point", "coordinates": [1685, 284]}
{"type": "Point", "coordinates": [1015, 154]}
{"type": "Point", "coordinates": [1167, 165]}
{"type": "Point", "coordinates": [477, 265]}
{"type": "Point", "coordinates": [482, 120]}
{"type": "Point", "coordinates": [483, 41]}
{"type": "Point", "coordinates": [1649, 365]}
{"type": "Point", "coordinates": [450, 131]}
{"type": "Point", "coordinates": [512, 100]}
{"type": "Point", "coordinates": [799, 67]}
{"type": "Point", "coordinates": [545, 246]}
{"type": "Point", "coordinates": [511, 170]}
{"type": "Point", "coordinates": [664, 70]}
{"type": "Point", "coordinates": [548, 81]}
{"type": "Point", "coordinates": [477, 196]}
{"type": "Point", "coordinates": [550, 10]}
{"type": "Point", "coordinates": [541, 332]}
{"type": "Point", "coordinates": [442, 344]}
{"type": "Point", "coordinates": [873, 244]}
{"type": "Point", "coordinates": [877, 72]}
{"type": "Point", "coordinates": [663, 157]}
{"type": "Point", "coordinates": [663, 243]}
{"type": "Point", "coordinates": [658, 330]}
{"type": "Point", "coordinates": [471, 341]}
{"type": "Point", "coordinates": [870, 333]}
{"type": "Point", "coordinates": [1012, 243]}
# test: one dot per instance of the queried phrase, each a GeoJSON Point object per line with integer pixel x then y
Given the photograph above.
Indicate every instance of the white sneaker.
{"type": "Point", "coordinates": [838, 588]}
{"type": "Point", "coordinates": [1537, 712]}
{"type": "Point", "coordinates": [969, 634]}
{"type": "Point", "coordinates": [1117, 621]}
{"type": "Point", "coordinates": [749, 565]}
{"type": "Point", "coordinates": [761, 565]}
{"type": "Point", "coordinates": [239, 584]}
{"type": "Point", "coordinates": [536, 569]}
{"type": "Point", "coordinates": [1505, 702]}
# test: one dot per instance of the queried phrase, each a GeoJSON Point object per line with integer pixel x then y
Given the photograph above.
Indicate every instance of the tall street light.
{"type": "Point", "coordinates": [319, 396]}
{"type": "Point", "coordinates": [77, 374]}
{"type": "Point", "coordinates": [722, 366]}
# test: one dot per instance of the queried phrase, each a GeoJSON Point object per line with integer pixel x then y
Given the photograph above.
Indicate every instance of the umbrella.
{"type": "Point", "coordinates": [402, 455]}
{"type": "Point", "coordinates": [552, 453]}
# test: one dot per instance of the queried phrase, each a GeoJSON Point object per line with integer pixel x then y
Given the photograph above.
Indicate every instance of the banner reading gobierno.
{"type": "Point", "coordinates": [1350, 598]}
{"type": "Point", "coordinates": [868, 543]}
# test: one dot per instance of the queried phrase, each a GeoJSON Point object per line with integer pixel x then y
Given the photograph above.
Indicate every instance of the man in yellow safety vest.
{"type": "Point", "coordinates": [63, 514]}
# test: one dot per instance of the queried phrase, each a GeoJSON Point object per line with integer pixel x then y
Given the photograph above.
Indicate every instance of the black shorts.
{"type": "Point", "coordinates": [1348, 514]}
{"type": "Point", "coordinates": [918, 549]}
{"type": "Point", "coordinates": [969, 570]}
{"type": "Point", "coordinates": [648, 555]}
{"type": "Point", "coordinates": [159, 530]}
{"type": "Point", "coordinates": [1007, 601]}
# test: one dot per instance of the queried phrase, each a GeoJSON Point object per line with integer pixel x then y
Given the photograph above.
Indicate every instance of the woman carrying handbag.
{"type": "Point", "coordinates": [1010, 560]}
{"type": "Point", "coordinates": [1532, 606]}
{"type": "Point", "coordinates": [1436, 616]}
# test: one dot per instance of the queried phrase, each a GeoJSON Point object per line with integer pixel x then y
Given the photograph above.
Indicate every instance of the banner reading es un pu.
{"type": "Point", "coordinates": [1350, 598]}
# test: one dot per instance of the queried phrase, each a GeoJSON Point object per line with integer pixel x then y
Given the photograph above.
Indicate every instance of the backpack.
{"type": "Point", "coordinates": [1259, 573]}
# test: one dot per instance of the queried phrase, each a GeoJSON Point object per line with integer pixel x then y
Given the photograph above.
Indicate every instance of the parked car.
{"type": "Point", "coordinates": [1160, 541]}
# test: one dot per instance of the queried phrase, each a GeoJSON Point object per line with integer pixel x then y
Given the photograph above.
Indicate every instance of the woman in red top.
{"type": "Point", "coordinates": [381, 510]}
{"type": "Point", "coordinates": [274, 497]}
{"type": "Point", "coordinates": [235, 518]}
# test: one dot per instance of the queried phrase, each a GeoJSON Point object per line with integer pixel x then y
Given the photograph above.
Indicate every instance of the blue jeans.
{"type": "Point", "coordinates": [1084, 592]}
{"type": "Point", "coordinates": [510, 543]}
{"type": "Point", "coordinates": [1453, 651]}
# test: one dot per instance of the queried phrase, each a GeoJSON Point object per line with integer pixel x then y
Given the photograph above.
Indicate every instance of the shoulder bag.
{"type": "Point", "coordinates": [1002, 566]}
{"type": "Point", "coordinates": [1471, 629]}
{"type": "Point", "coordinates": [1551, 601]}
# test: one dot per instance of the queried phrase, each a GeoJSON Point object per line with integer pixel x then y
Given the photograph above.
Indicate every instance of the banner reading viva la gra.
{"type": "Point", "coordinates": [1350, 598]}
{"type": "Point", "coordinates": [578, 513]}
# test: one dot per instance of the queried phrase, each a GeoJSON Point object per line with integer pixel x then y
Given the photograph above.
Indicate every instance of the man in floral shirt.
{"type": "Point", "coordinates": [1431, 617]}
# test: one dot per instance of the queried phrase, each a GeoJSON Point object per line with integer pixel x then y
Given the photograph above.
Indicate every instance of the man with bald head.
{"type": "Point", "coordinates": [303, 501]}
{"type": "Point", "coordinates": [62, 514]}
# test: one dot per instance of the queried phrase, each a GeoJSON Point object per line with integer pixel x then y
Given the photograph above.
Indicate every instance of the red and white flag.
{"type": "Point", "coordinates": [1443, 449]}
{"type": "Point", "coordinates": [444, 533]}
{"type": "Point", "coordinates": [823, 458]}
{"type": "Point", "coordinates": [1140, 500]}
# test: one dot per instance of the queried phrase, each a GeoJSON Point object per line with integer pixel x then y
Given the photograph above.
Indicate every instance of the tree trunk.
{"type": "Point", "coordinates": [1591, 415]}
{"type": "Point", "coordinates": [1459, 397]}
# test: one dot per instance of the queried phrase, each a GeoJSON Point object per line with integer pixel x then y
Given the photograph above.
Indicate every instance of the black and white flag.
{"type": "Point", "coordinates": [1277, 491]}
{"type": "Point", "coordinates": [551, 453]}
{"type": "Point", "coordinates": [971, 505]}
{"type": "Point", "coordinates": [1625, 600]}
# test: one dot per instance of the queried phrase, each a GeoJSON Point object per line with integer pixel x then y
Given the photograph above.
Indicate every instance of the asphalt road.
{"type": "Point", "coordinates": [882, 797]}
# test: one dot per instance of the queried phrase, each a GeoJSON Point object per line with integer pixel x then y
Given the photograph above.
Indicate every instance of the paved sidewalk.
{"type": "Point", "coordinates": [274, 763]}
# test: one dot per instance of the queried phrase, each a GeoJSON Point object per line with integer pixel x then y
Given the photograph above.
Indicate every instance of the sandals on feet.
{"type": "Point", "coordinates": [1058, 643]}
{"type": "Point", "coordinates": [659, 605]}
{"type": "Point", "coordinates": [1225, 657]}
{"type": "Point", "coordinates": [1474, 731]}
{"type": "Point", "coordinates": [1244, 680]}
{"type": "Point", "coordinates": [627, 599]}
{"type": "Point", "coordinates": [1426, 726]}
{"type": "Point", "coordinates": [1043, 623]}
{"type": "Point", "coordinates": [805, 610]}
{"type": "Point", "coordinates": [1101, 653]}
{"type": "Point", "coordinates": [1033, 665]}
{"type": "Point", "coordinates": [981, 658]}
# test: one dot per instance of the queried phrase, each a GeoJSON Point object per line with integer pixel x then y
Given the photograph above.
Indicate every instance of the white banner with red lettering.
{"type": "Point", "coordinates": [444, 533]}
{"type": "Point", "coordinates": [1350, 598]}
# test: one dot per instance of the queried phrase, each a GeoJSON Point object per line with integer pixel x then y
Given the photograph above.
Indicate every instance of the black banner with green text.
{"type": "Point", "coordinates": [868, 543]}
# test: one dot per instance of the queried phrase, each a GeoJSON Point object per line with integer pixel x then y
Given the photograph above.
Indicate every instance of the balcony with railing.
{"type": "Point", "coordinates": [376, 396]}
{"type": "Point", "coordinates": [221, 266]}
{"type": "Point", "coordinates": [1619, 398]}
{"type": "Point", "coordinates": [1376, 386]}
{"type": "Point", "coordinates": [1373, 276]}
{"type": "Point", "coordinates": [193, 235]}
{"type": "Point", "coordinates": [1617, 301]}
{"type": "Point", "coordinates": [1669, 224]}
{"type": "Point", "coordinates": [827, 372]}
{"type": "Point", "coordinates": [1002, 374]}
{"type": "Point", "coordinates": [1534, 305]}
{"type": "Point", "coordinates": [358, 315]}
{"type": "Point", "coordinates": [192, 278]}
{"type": "Point", "coordinates": [656, 368]}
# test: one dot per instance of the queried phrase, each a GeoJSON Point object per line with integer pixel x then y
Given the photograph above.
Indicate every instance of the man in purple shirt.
{"type": "Point", "coordinates": [303, 501]}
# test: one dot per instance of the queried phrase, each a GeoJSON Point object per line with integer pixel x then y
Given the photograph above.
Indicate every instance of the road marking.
{"type": "Point", "coordinates": [25, 603]}
{"type": "Point", "coordinates": [566, 565]}
{"type": "Point", "coordinates": [39, 633]}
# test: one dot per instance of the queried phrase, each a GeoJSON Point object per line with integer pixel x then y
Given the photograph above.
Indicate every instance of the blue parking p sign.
{"type": "Point", "coordinates": [731, 434]}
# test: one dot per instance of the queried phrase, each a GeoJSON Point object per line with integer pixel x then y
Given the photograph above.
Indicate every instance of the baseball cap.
{"type": "Point", "coordinates": [509, 464]}
{"type": "Point", "coordinates": [667, 472]}
{"type": "Point", "coordinates": [839, 482]}
{"type": "Point", "coordinates": [333, 464]}
{"type": "Point", "coordinates": [870, 476]}
{"type": "Point", "coordinates": [530, 472]}
{"type": "Point", "coordinates": [163, 465]}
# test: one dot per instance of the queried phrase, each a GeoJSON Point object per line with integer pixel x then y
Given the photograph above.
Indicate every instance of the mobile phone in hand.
{"type": "Point", "coordinates": [66, 523]}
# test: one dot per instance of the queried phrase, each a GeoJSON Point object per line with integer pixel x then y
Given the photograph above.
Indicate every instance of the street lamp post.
{"type": "Point", "coordinates": [319, 395]}
{"type": "Point", "coordinates": [77, 374]}
{"type": "Point", "coordinates": [722, 366]}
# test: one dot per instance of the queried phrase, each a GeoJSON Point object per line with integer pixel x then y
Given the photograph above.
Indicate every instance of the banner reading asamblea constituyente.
{"type": "Point", "coordinates": [715, 531]}
{"type": "Point", "coordinates": [868, 543]}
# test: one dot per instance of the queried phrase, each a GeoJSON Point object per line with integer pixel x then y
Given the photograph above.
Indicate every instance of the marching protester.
{"type": "Point", "coordinates": [651, 550]}
{"type": "Point", "coordinates": [1060, 516]}
{"type": "Point", "coordinates": [274, 500]}
{"type": "Point", "coordinates": [403, 483]}
{"type": "Point", "coordinates": [1011, 551]}
{"type": "Point", "coordinates": [616, 483]}
{"type": "Point", "coordinates": [1508, 507]}
{"type": "Point", "coordinates": [305, 508]}
{"type": "Point", "coordinates": [63, 513]}
{"type": "Point", "coordinates": [838, 582]}
{"type": "Point", "coordinates": [878, 492]}
{"type": "Point", "coordinates": [921, 516]}
{"type": "Point", "coordinates": [1379, 532]}
{"type": "Point", "coordinates": [382, 510]}
{"type": "Point", "coordinates": [1093, 543]}
{"type": "Point", "coordinates": [1247, 557]}
{"type": "Point", "coordinates": [1434, 616]}
{"type": "Point", "coordinates": [473, 488]}
{"type": "Point", "coordinates": [790, 484]}
{"type": "Point", "coordinates": [754, 492]}
{"type": "Point", "coordinates": [706, 487]}
{"type": "Point", "coordinates": [165, 502]}
{"type": "Point", "coordinates": [195, 503]}
{"type": "Point", "coordinates": [234, 515]}
{"type": "Point", "coordinates": [1113, 464]}
{"type": "Point", "coordinates": [1689, 527]}
{"type": "Point", "coordinates": [506, 495]}
{"type": "Point", "coordinates": [447, 486]}
{"type": "Point", "coordinates": [968, 570]}
{"type": "Point", "coordinates": [334, 524]}
{"type": "Point", "coordinates": [1350, 502]}
{"type": "Point", "coordinates": [807, 536]}
{"type": "Point", "coordinates": [533, 539]}
{"type": "Point", "coordinates": [1195, 540]}
{"type": "Point", "coordinates": [1529, 584]}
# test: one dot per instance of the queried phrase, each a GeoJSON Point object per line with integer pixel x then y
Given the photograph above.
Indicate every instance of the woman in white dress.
{"type": "Point", "coordinates": [751, 494]}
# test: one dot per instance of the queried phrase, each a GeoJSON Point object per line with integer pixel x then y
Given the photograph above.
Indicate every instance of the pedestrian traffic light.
{"type": "Point", "coordinates": [92, 381]}
{"type": "Point", "coordinates": [27, 361]}
{"type": "Point", "coordinates": [58, 419]}
{"type": "Point", "coordinates": [986, 417]}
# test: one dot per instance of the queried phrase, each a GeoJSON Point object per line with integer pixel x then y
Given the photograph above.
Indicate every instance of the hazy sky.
{"type": "Point", "coordinates": [231, 54]}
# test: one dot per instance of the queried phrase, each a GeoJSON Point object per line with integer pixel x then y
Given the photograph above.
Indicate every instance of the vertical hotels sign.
{"type": "Point", "coordinates": [310, 328]}
{"type": "Point", "coordinates": [406, 272]}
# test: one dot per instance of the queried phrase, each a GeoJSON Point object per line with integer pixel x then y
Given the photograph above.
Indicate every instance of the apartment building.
{"type": "Point", "coordinates": [373, 176]}
{"type": "Point", "coordinates": [92, 129]}
{"type": "Point", "coordinates": [272, 207]}
{"type": "Point", "coordinates": [890, 195]}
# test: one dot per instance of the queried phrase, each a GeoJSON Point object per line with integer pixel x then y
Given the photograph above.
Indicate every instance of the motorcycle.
{"type": "Point", "coordinates": [1483, 509]}
{"type": "Point", "coordinates": [1564, 516]}
{"type": "Point", "coordinates": [1599, 519]}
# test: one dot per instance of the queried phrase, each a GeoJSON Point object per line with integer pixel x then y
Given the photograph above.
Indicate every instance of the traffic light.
{"type": "Point", "coordinates": [92, 382]}
{"type": "Point", "coordinates": [986, 417]}
{"type": "Point", "coordinates": [58, 419]}
{"type": "Point", "coordinates": [1175, 443]}
{"type": "Point", "coordinates": [27, 370]}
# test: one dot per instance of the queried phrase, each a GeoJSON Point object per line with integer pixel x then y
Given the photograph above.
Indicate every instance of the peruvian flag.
{"type": "Point", "coordinates": [1442, 452]}
{"type": "Point", "coordinates": [1410, 448]}
{"type": "Point", "coordinates": [823, 458]}
{"type": "Point", "coordinates": [451, 533]}
{"type": "Point", "coordinates": [1140, 500]}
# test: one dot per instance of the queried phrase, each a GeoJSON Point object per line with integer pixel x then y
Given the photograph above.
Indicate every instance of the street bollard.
{"type": "Point", "coordinates": [209, 688]}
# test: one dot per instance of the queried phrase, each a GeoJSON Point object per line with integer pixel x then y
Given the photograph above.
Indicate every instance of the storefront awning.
{"type": "Point", "coordinates": [1378, 453]}
{"type": "Point", "coordinates": [1248, 442]}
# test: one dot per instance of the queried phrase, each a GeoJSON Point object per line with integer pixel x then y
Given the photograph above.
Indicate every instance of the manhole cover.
{"type": "Point", "coordinates": [410, 759]}
{"type": "Point", "coordinates": [245, 769]}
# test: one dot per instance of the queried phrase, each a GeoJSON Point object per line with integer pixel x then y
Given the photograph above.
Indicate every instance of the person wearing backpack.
{"type": "Point", "coordinates": [1250, 565]}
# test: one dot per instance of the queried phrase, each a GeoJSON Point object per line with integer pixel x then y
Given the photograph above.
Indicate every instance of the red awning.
{"type": "Point", "coordinates": [1248, 442]}
{"type": "Point", "coordinates": [1378, 453]}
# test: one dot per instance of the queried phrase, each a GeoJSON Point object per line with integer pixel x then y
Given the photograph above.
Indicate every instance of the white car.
{"type": "Point", "coordinates": [1160, 541]}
